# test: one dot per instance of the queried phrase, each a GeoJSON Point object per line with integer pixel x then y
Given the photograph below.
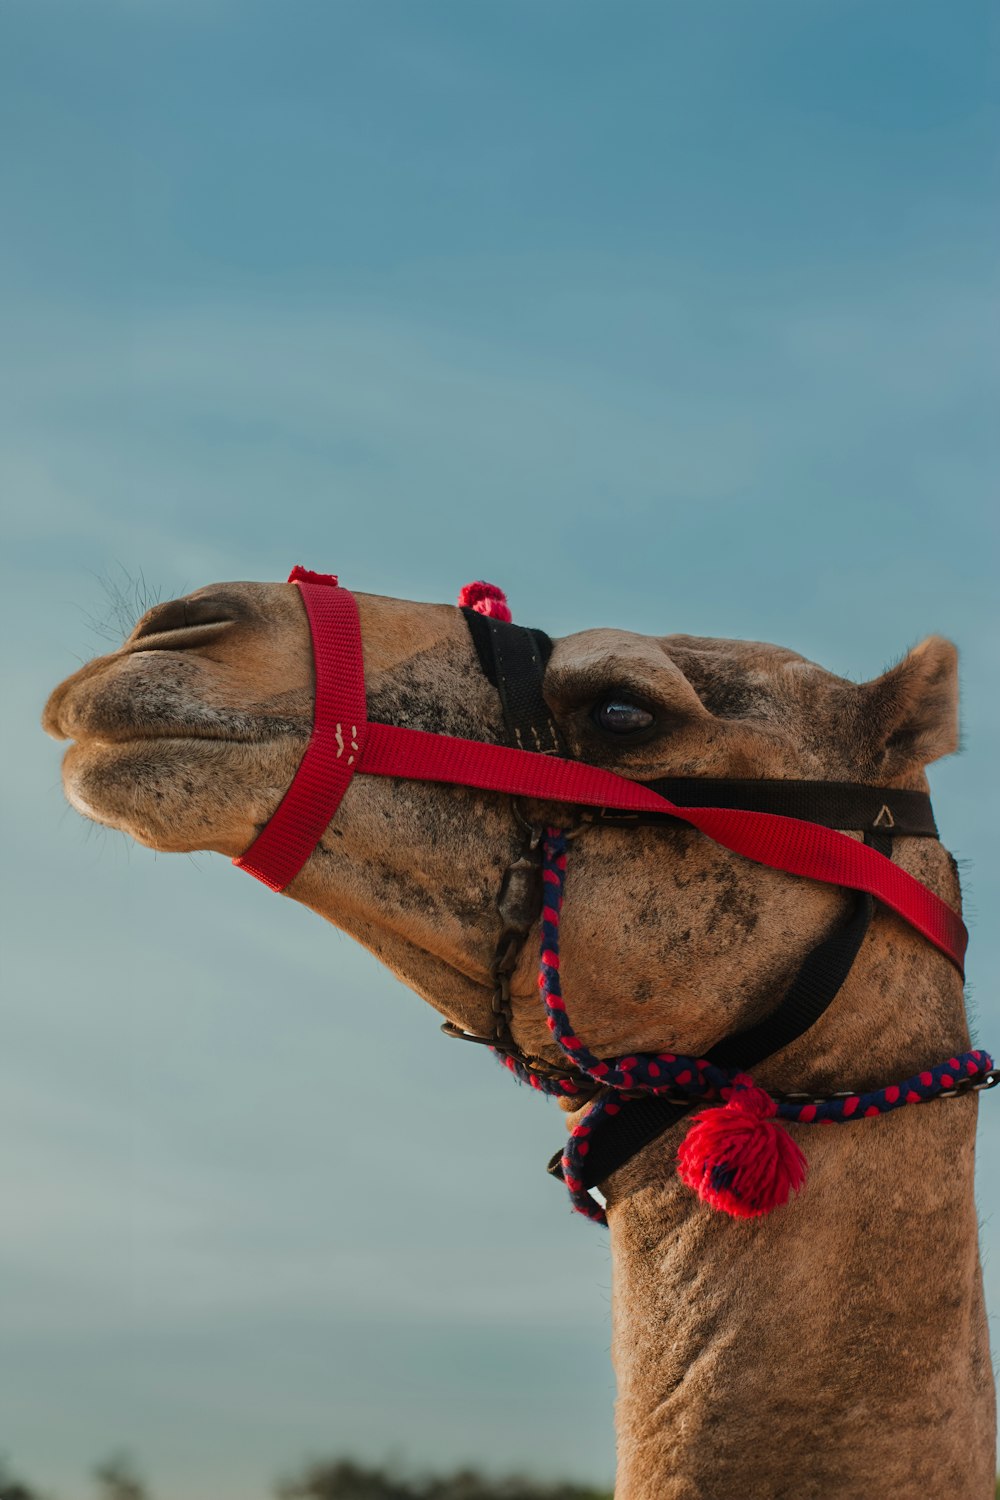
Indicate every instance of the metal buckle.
{"type": "Point", "coordinates": [456, 1034]}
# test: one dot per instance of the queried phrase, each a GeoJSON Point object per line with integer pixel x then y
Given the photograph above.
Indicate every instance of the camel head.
{"type": "Point", "coordinates": [188, 735]}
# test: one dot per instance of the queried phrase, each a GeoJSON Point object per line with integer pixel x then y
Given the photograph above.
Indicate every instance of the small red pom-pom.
{"type": "Point", "coordinates": [485, 599]}
{"type": "Point", "coordinates": [738, 1158]}
{"type": "Point", "coordinates": [306, 575]}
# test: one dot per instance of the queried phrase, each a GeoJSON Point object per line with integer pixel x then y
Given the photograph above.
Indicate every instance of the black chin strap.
{"type": "Point", "coordinates": [513, 658]}
{"type": "Point", "coordinates": [615, 1139]}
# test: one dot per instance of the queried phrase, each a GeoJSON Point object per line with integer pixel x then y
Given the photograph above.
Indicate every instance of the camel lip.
{"type": "Point", "coordinates": [113, 740]}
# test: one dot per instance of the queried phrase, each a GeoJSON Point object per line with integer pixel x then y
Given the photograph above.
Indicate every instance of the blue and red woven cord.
{"type": "Point", "coordinates": [752, 1112]}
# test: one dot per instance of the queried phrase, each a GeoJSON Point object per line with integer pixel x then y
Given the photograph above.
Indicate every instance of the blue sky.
{"type": "Point", "coordinates": [665, 317]}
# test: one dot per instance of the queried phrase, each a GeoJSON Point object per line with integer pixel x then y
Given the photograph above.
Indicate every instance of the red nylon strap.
{"type": "Point", "coordinates": [806, 849]}
{"type": "Point", "coordinates": [343, 742]}
{"type": "Point", "coordinates": [284, 844]}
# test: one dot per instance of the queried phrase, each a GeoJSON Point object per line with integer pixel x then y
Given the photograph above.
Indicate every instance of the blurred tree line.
{"type": "Point", "coordinates": [342, 1479]}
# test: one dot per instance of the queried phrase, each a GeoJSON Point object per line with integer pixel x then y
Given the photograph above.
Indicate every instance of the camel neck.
{"type": "Point", "coordinates": [837, 1347]}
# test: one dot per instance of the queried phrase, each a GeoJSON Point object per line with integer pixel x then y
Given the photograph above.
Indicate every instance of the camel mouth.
{"type": "Point", "coordinates": [120, 739]}
{"type": "Point", "coordinates": [97, 711]}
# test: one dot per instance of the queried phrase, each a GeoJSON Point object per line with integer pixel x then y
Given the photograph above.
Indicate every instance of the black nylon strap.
{"type": "Point", "coordinates": [835, 804]}
{"type": "Point", "coordinates": [513, 658]}
{"type": "Point", "coordinates": [823, 971]}
{"type": "Point", "coordinates": [880, 841]}
{"type": "Point", "coordinates": [817, 982]}
{"type": "Point", "coordinates": [616, 1139]}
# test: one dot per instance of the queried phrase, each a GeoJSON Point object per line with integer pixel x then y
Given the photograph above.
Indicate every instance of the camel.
{"type": "Point", "coordinates": [834, 1348]}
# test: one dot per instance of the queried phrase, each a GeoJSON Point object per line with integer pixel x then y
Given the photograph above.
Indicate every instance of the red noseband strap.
{"type": "Point", "coordinates": [342, 743]}
{"type": "Point", "coordinates": [284, 844]}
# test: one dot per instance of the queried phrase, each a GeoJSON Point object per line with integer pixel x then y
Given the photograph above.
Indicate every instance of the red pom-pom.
{"type": "Point", "coordinates": [306, 575]}
{"type": "Point", "coordinates": [485, 599]}
{"type": "Point", "coordinates": [739, 1159]}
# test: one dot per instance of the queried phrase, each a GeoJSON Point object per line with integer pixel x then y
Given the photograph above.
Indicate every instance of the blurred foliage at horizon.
{"type": "Point", "coordinates": [338, 1479]}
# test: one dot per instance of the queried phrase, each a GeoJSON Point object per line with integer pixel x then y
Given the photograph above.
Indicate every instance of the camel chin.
{"type": "Point", "coordinates": [170, 794]}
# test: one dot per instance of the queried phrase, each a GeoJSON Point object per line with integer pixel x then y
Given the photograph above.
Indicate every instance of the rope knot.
{"type": "Point", "coordinates": [738, 1158]}
{"type": "Point", "coordinates": [744, 1094]}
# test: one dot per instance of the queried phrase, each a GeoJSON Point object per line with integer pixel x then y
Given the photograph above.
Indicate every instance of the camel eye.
{"type": "Point", "coordinates": [618, 716]}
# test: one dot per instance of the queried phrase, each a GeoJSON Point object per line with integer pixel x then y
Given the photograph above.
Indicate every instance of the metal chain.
{"type": "Point", "coordinates": [518, 904]}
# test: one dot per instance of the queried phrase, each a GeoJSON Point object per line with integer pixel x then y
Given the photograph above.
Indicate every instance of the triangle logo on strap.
{"type": "Point", "coordinates": [885, 818]}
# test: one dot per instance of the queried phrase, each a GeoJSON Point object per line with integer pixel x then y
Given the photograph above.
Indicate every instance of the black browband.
{"type": "Point", "coordinates": [513, 658]}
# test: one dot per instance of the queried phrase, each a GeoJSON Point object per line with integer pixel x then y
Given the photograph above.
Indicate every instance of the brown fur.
{"type": "Point", "coordinates": [835, 1349]}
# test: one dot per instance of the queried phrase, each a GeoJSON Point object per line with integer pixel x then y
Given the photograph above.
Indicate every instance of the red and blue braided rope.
{"type": "Point", "coordinates": [669, 1073]}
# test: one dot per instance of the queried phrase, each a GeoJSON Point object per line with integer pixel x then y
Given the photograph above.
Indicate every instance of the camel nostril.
{"type": "Point", "coordinates": [182, 614]}
{"type": "Point", "coordinates": [169, 616]}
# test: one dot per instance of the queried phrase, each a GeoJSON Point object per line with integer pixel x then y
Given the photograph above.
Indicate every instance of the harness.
{"type": "Point", "coordinates": [736, 1157]}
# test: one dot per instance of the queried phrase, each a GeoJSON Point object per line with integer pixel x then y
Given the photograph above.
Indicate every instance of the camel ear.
{"type": "Point", "coordinates": [910, 713]}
